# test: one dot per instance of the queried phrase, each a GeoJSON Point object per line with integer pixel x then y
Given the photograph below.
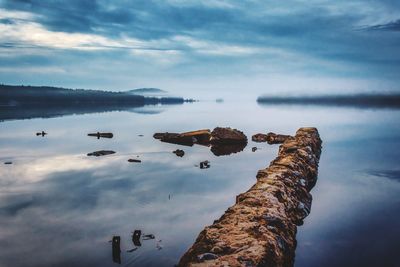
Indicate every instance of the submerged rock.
{"type": "Point", "coordinates": [179, 152]}
{"type": "Point", "coordinates": [260, 229]}
{"type": "Point", "coordinates": [101, 153]}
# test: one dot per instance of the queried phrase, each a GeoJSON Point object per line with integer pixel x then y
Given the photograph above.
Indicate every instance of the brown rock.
{"type": "Point", "coordinates": [227, 136]}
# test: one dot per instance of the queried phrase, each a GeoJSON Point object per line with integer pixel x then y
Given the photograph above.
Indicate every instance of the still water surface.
{"type": "Point", "coordinates": [59, 207]}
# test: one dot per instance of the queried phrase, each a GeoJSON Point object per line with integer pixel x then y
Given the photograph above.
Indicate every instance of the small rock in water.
{"type": "Point", "coordinates": [259, 138]}
{"type": "Point", "coordinates": [179, 152]}
{"type": "Point", "coordinates": [134, 160]}
{"type": "Point", "coordinates": [101, 153]}
{"type": "Point", "coordinates": [254, 149]}
{"type": "Point", "coordinates": [8, 162]}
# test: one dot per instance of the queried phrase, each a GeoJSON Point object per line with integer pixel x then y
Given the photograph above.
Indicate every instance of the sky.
{"type": "Point", "coordinates": [205, 47]}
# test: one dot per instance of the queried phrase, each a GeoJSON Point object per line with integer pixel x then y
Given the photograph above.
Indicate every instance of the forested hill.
{"type": "Point", "coordinates": [15, 95]}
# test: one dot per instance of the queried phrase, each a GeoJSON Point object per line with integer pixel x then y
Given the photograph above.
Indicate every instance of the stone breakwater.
{"type": "Point", "coordinates": [260, 229]}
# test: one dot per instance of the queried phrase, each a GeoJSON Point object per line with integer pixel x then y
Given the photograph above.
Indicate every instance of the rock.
{"type": "Point", "coordinates": [103, 135]}
{"type": "Point", "coordinates": [134, 160]}
{"type": "Point", "coordinates": [270, 138]}
{"type": "Point", "coordinates": [175, 138]}
{"type": "Point", "coordinates": [8, 162]}
{"type": "Point", "coordinates": [101, 153]}
{"type": "Point", "coordinates": [260, 229]}
{"type": "Point", "coordinates": [227, 136]}
{"type": "Point", "coordinates": [259, 138]}
{"type": "Point", "coordinates": [273, 138]}
{"type": "Point", "coordinates": [254, 149]}
{"type": "Point", "coordinates": [179, 152]}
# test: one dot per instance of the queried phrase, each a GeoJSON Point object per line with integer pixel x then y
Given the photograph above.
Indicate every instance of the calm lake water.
{"type": "Point", "coordinates": [59, 207]}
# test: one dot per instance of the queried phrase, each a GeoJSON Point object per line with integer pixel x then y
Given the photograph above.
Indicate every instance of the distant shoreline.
{"type": "Point", "coordinates": [357, 101]}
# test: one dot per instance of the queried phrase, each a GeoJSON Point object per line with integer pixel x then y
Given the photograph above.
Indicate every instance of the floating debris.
{"type": "Point", "coordinates": [101, 153]}
{"type": "Point", "coordinates": [179, 152]}
{"type": "Point", "coordinates": [204, 164]}
{"type": "Point", "coordinates": [136, 238]}
{"type": "Point", "coordinates": [101, 135]}
{"type": "Point", "coordinates": [116, 249]}
{"type": "Point", "coordinates": [134, 160]}
{"type": "Point", "coordinates": [148, 237]}
{"type": "Point", "coordinates": [158, 245]}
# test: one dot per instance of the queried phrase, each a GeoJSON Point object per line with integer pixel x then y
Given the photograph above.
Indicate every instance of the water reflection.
{"type": "Point", "coordinates": [31, 112]}
{"type": "Point", "coordinates": [71, 204]}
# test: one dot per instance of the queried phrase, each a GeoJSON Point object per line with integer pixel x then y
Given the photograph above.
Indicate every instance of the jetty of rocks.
{"type": "Point", "coordinates": [260, 229]}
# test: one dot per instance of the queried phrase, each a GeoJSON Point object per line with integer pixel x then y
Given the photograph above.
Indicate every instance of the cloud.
{"type": "Point", "coordinates": [391, 26]}
{"type": "Point", "coordinates": [206, 38]}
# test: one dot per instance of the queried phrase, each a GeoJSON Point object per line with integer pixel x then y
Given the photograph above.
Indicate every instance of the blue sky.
{"type": "Point", "coordinates": [212, 47]}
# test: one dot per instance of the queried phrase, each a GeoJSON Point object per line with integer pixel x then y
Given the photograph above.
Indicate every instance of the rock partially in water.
{"type": "Point", "coordinates": [227, 136]}
{"type": "Point", "coordinates": [101, 153]}
{"type": "Point", "coordinates": [273, 138]}
{"type": "Point", "coordinates": [260, 229]}
{"type": "Point", "coordinates": [270, 138]}
{"type": "Point", "coordinates": [259, 138]}
{"type": "Point", "coordinates": [179, 152]}
{"type": "Point", "coordinates": [8, 162]}
{"type": "Point", "coordinates": [223, 141]}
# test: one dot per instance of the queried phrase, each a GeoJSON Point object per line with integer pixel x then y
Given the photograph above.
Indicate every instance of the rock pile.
{"type": "Point", "coordinates": [260, 229]}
